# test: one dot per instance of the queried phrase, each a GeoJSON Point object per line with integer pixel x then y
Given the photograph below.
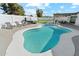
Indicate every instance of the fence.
{"type": "Point", "coordinates": [12, 18]}
{"type": "Point", "coordinates": [45, 18]}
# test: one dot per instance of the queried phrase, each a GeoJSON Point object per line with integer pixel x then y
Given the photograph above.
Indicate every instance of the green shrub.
{"type": "Point", "coordinates": [42, 21]}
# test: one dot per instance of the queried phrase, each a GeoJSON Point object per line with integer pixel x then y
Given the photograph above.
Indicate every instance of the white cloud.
{"type": "Point", "coordinates": [33, 4]}
{"type": "Point", "coordinates": [62, 7]}
{"type": "Point", "coordinates": [45, 12]}
{"type": "Point", "coordinates": [30, 11]}
{"type": "Point", "coordinates": [75, 3]}
{"type": "Point", "coordinates": [74, 6]}
{"type": "Point", "coordinates": [38, 5]}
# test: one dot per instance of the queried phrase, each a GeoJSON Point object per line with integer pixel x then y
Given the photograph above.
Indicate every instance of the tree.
{"type": "Point", "coordinates": [39, 12]}
{"type": "Point", "coordinates": [4, 7]}
{"type": "Point", "coordinates": [13, 8]}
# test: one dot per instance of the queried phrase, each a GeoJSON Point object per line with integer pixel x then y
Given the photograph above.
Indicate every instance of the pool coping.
{"type": "Point", "coordinates": [66, 42]}
{"type": "Point", "coordinates": [11, 47]}
{"type": "Point", "coordinates": [54, 51]}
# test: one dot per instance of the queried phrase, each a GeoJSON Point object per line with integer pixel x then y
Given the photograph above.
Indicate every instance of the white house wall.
{"type": "Point", "coordinates": [77, 20]}
{"type": "Point", "coordinates": [4, 18]}
{"type": "Point", "coordinates": [17, 18]}
{"type": "Point", "coordinates": [62, 18]}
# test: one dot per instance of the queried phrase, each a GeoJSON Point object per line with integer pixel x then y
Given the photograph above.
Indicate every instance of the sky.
{"type": "Point", "coordinates": [49, 8]}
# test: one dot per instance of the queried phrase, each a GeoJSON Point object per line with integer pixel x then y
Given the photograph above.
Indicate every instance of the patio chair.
{"type": "Point", "coordinates": [23, 22]}
{"type": "Point", "coordinates": [3, 27]}
{"type": "Point", "coordinates": [17, 24]}
{"type": "Point", "coordinates": [8, 25]}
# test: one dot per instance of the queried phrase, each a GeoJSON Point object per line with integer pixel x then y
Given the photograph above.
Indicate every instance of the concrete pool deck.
{"type": "Point", "coordinates": [16, 47]}
{"type": "Point", "coordinates": [65, 46]}
{"type": "Point", "coordinates": [6, 36]}
{"type": "Point", "coordinates": [76, 43]}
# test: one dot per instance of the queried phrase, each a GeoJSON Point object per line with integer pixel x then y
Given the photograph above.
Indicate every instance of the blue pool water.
{"type": "Point", "coordinates": [43, 39]}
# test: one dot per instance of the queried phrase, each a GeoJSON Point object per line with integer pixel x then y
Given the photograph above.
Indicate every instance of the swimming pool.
{"type": "Point", "coordinates": [43, 39]}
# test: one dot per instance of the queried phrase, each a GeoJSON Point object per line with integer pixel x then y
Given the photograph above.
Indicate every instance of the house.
{"type": "Point", "coordinates": [31, 18]}
{"type": "Point", "coordinates": [68, 17]}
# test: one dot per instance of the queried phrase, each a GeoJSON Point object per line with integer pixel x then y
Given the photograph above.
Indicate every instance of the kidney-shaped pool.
{"type": "Point", "coordinates": [42, 39]}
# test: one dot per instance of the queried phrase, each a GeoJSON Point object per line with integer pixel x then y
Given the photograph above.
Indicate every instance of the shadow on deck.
{"type": "Point", "coordinates": [71, 26]}
{"type": "Point", "coordinates": [75, 39]}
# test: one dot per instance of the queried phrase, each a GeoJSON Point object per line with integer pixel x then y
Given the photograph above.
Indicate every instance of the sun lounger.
{"type": "Point", "coordinates": [17, 24]}
{"type": "Point", "coordinates": [23, 22]}
{"type": "Point", "coordinates": [3, 27]}
{"type": "Point", "coordinates": [9, 25]}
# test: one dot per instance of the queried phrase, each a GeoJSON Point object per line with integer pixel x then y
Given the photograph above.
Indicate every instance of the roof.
{"type": "Point", "coordinates": [66, 14]}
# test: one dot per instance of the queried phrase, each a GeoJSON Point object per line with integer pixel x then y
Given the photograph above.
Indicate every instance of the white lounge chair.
{"type": "Point", "coordinates": [23, 22]}
{"type": "Point", "coordinates": [17, 24]}
{"type": "Point", "coordinates": [3, 27]}
{"type": "Point", "coordinates": [9, 25]}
